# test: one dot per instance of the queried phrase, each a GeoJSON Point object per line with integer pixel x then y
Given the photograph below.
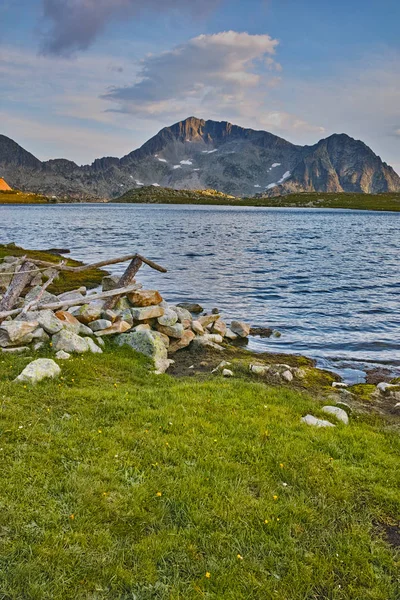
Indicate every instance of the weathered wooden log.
{"type": "Point", "coordinates": [125, 280]}
{"type": "Point", "coordinates": [76, 302]}
{"type": "Point", "coordinates": [103, 263]}
{"type": "Point", "coordinates": [19, 282]}
{"type": "Point", "coordinates": [36, 301]}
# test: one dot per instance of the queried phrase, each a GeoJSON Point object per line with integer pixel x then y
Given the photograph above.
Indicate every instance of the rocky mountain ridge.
{"type": "Point", "coordinates": [195, 154]}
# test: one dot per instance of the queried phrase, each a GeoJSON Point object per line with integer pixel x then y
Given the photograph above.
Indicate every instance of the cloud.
{"type": "Point", "coordinates": [219, 69]}
{"type": "Point", "coordinates": [75, 24]}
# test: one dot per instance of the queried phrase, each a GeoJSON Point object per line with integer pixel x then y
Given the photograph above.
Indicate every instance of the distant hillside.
{"type": "Point", "coordinates": [16, 197]}
{"type": "Point", "coordinates": [159, 195]}
{"type": "Point", "coordinates": [198, 155]}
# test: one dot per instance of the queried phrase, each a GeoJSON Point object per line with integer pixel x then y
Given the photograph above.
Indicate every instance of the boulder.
{"type": "Point", "coordinates": [230, 335]}
{"type": "Point", "coordinates": [219, 327]}
{"type": "Point", "coordinates": [69, 342]}
{"type": "Point", "coordinates": [184, 316]}
{"type": "Point", "coordinates": [203, 341]}
{"type": "Point", "coordinates": [311, 420]}
{"type": "Point", "coordinates": [240, 328]}
{"type": "Point", "coordinates": [118, 327]}
{"type": "Point", "coordinates": [61, 355]}
{"type": "Point", "coordinates": [214, 337]}
{"type": "Point", "coordinates": [174, 331]}
{"type": "Point", "coordinates": [74, 295]}
{"type": "Point", "coordinates": [148, 344]}
{"type": "Point", "coordinates": [110, 282]}
{"type": "Point", "coordinates": [147, 312]}
{"type": "Point", "coordinates": [164, 338]}
{"type": "Point", "coordinates": [337, 412]}
{"type": "Point", "coordinates": [83, 330]}
{"type": "Point", "coordinates": [259, 369]}
{"type": "Point", "coordinates": [39, 335]}
{"type": "Point", "coordinates": [208, 319]}
{"type": "Point", "coordinates": [169, 318]}
{"type": "Point", "coordinates": [198, 327]}
{"type": "Point", "coordinates": [191, 307]}
{"type": "Point", "coordinates": [68, 320]}
{"type": "Point", "coordinates": [46, 297]}
{"type": "Point", "coordinates": [287, 375]}
{"type": "Point", "coordinates": [89, 312]}
{"type": "Point", "coordinates": [49, 322]}
{"type": "Point", "coordinates": [94, 349]}
{"type": "Point", "coordinates": [42, 368]}
{"type": "Point", "coordinates": [187, 337]}
{"type": "Point", "coordinates": [14, 333]}
{"type": "Point", "coordinates": [142, 298]}
{"type": "Point", "coordinates": [99, 324]}
{"type": "Point", "coordinates": [227, 373]}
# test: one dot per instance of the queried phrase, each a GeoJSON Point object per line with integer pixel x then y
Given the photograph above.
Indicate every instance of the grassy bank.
{"type": "Point", "coordinates": [119, 484]}
{"type": "Point", "coordinates": [16, 197]}
{"type": "Point", "coordinates": [66, 281]}
{"type": "Point", "coordinates": [154, 195]}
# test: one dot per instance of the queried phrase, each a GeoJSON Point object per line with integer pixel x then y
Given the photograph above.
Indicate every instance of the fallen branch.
{"type": "Point", "coordinates": [126, 279]}
{"type": "Point", "coordinates": [76, 302]}
{"type": "Point", "coordinates": [19, 282]}
{"type": "Point", "coordinates": [103, 263]}
{"type": "Point", "coordinates": [36, 301]}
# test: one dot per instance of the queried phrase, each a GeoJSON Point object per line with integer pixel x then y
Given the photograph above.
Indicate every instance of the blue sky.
{"type": "Point", "coordinates": [88, 78]}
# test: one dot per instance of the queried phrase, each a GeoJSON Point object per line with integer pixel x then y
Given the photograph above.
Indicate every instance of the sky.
{"type": "Point", "coordinates": [82, 79]}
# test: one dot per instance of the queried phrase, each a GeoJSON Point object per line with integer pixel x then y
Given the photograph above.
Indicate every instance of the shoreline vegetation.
{"type": "Point", "coordinates": [159, 195]}
{"type": "Point", "coordinates": [119, 483]}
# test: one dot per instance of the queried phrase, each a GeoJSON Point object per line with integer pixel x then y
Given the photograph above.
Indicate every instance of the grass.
{"type": "Point", "coordinates": [150, 194]}
{"type": "Point", "coordinates": [17, 197]}
{"type": "Point", "coordinates": [66, 281]}
{"type": "Point", "coordinates": [119, 484]}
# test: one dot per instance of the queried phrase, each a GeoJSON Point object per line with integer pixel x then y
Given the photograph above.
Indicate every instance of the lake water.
{"type": "Point", "coordinates": [328, 280]}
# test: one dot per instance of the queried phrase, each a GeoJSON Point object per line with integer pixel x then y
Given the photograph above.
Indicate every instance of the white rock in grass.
{"type": "Point", "coordinates": [42, 368]}
{"type": "Point", "coordinates": [311, 420]}
{"type": "Point", "coordinates": [94, 349]}
{"type": "Point", "coordinates": [287, 376]}
{"type": "Point", "coordinates": [69, 342]}
{"type": "Point", "coordinates": [337, 412]}
{"type": "Point", "coordinates": [339, 384]}
{"type": "Point", "coordinates": [227, 373]}
{"type": "Point", "coordinates": [61, 355]}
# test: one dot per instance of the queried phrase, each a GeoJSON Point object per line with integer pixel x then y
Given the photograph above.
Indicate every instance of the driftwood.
{"type": "Point", "coordinates": [19, 282]}
{"type": "Point", "coordinates": [103, 263]}
{"type": "Point", "coordinates": [125, 280]}
{"type": "Point", "coordinates": [76, 302]}
{"type": "Point", "coordinates": [36, 301]}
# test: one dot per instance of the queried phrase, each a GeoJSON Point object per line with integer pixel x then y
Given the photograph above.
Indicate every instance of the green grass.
{"type": "Point", "coordinates": [66, 281]}
{"type": "Point", "coordinates": [17, 197]}
{"type": "Point", "coordinates": [119, 484]}
{"type": "Point", "coordinates": [150, 194]}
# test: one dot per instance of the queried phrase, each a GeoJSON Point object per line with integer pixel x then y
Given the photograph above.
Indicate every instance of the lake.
{"type": "Point", "coordinates": [328, 280]}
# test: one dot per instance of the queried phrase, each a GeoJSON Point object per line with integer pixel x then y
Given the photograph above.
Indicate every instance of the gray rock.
{"type": "Point", "coordinates": [287, 375]}
{"type": "Point", "coordinates": [147, 312]}
{"type": "Point", "coordinates": [67, 296]}
{"type": "Point", "coordinates": [82, 330]}
{"type": "Point", "coordinates": [99, 324]}
{"type": "Point", "coordinates": [222, 365]}
{"type": "Point", "coordinates": [46, 298]}
{"type": "Point", "coordinates": [17, 350]}
{"type": "Point", "coordinates": [61, 355]}
{"type": "Point", "coordinates": [126, 316]}
{"type": "Point", "coordinates": [110, 282]}
{"type": "Point", "coordinates": [259, 369]}
{"type": "Point", "coordinates": [337, 412]}
{"type": "Point", "coordinates": [339, 384]}
{"type": "Point", "coordinates": [214, 337]}
{"type": "Point", "coordinates": [219, 327]}
{"type": "Point", "coordinates": [49, 321]}
{"type": "Point", "coordinates": [69, 342]}
{"type": "Point", "coordinates": [39, 335]}
{"type": "Point", "coordinates": [100, 341]}
{"type": "Point", "coordinates": [89, 312]}
{"type": "Point", "coordinates": [240, 328]}
{"type": "Point", "coordinates": [169, 318]}
{"type": "Point", "coordinates": [230, 335]}
{"type": "Point", "coordinates": [311, 420]}
{"type": "Point", "coordinates": [384, 387]}
{"type": "Point", "coordinates": [203, 341]}
{"type": "Point", "coordinates": [174, 331]}
{"type": "Point", "coordinates": [197, 327]}
{"type": "Point", "coordinates": [94, 349]}
{"type": "Point", "coordinates": [150, 345]}
{"type": "Point", "coordinates": [38, 346]}
{"type": "Point", "coordinates": [42, 368]}
{"type": "Point", "coordinates": [345, 407]}
{"type": "Point", "coordinates": [14, 333]}
{"type": "Point", "coordinates": [184, 316]}
{"type": "Point", "coordinates": [191, 307]}
{"type": "Point", "coordinates": [227, 373]}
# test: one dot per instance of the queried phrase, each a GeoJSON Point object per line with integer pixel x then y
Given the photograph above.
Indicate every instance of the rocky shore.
{"type": "Point", "coordinates": [147, 323]}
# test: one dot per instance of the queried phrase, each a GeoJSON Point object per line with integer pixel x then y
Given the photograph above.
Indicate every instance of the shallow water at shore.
{"type": "Point", "coordinates": [328, 280]}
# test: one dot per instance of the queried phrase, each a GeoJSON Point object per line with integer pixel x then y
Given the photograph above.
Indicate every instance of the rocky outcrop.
{"type": "Point", "coordinates": [198, 155]}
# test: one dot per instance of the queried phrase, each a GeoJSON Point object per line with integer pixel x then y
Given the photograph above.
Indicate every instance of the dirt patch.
{"type": "Point", "coordinates": [390, 532]}
{"type": "Point", "coordinates": [375, 376]}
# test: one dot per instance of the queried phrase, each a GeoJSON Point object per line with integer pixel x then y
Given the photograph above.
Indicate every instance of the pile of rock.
{"type": "Point", "coordinates": [141, 319]}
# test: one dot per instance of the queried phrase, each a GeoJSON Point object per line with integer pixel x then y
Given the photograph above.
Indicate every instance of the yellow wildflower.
{"type": "Point", "coordinates": [208, 575]}
{"type": "Point", "coordinates": [159, 494]}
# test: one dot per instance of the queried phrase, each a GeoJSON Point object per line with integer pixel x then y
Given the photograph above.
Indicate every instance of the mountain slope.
{"type": "Point", "coordinates": [196, 154]}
